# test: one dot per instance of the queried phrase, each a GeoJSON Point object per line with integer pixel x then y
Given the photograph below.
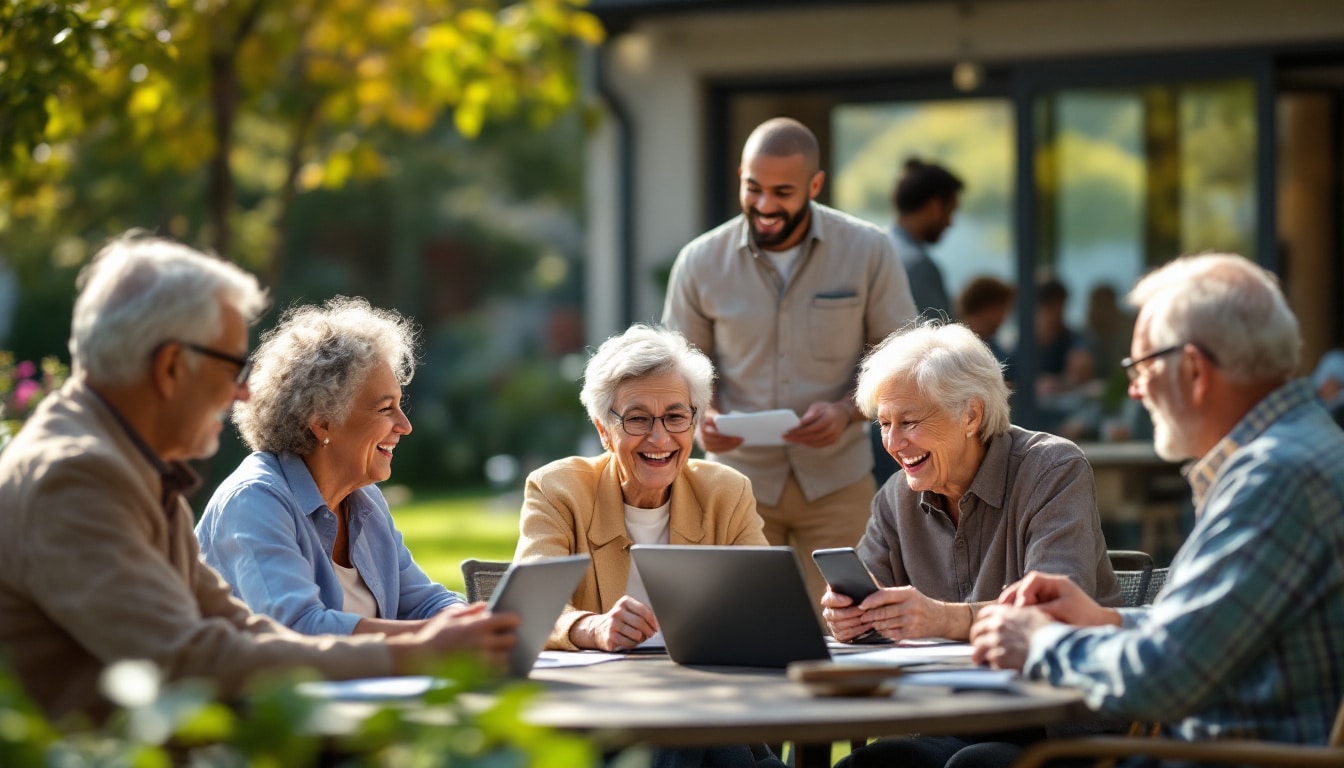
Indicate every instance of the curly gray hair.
{"type": "Point", "coordinates": [639, 352]}
{"type": "Point", "coordinates": [310, 365]}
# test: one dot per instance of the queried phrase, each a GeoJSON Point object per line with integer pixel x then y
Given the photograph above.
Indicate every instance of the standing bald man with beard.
{"type": "Point", "coordinates": [785, 298]}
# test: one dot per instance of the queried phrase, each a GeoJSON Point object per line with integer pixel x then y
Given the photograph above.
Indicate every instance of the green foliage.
{"type": "Point", "coordinates": [280, 726]}
{"type": "Point", "coordinates": [307, 94]}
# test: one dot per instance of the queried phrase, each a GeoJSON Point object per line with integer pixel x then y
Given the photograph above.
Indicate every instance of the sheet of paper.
{"type": "Point", "coordinates": [558, 659]}
{"type": "Point", "coordinates": [912, 655]}
{"type": "Point", "coordinates": [653, 643]}
{"type": "Point", "coordinates": [760, 428]}
{"type": "Point", "coordinates": [371, 688]}
{"type": "Point", "coordinates": [974, 679]}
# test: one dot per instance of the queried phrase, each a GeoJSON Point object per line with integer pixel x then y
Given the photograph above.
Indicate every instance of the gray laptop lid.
{"type": "Point", "coordinates": [739, 606]}
{"type": "Point", "coordinates": [537, 591]}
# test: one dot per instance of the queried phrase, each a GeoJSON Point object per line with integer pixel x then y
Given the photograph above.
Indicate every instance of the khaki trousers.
{"type": "Point", "coordinates": [837, 519]}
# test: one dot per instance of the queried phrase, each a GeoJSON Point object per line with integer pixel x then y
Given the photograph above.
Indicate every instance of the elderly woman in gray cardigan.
{"type": "Point", "coordinates": [977, 502]}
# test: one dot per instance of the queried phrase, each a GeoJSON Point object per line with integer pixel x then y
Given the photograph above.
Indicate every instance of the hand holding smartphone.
{"type": "Point", "coordinates": [847, 575]}
{"type": "Point", "coordinates": [845, 572]}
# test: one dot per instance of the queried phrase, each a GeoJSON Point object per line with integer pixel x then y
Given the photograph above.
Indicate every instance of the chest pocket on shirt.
{"type": "Point", "coordinates": [835, 322]}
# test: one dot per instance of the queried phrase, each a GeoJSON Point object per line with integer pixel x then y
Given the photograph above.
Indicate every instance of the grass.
{"type": "Point", "coordinates": [443, 530]}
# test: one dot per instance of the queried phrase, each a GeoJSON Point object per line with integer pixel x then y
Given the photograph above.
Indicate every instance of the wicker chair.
{"type": "Point", "coordinates": [1155, 584]}
{"type": "Point", "coordinates": [1133, 570]}
{"type": "Point", "coordinates": [481, 577]}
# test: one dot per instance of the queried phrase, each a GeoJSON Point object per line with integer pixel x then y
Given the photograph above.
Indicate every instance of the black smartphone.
{"type": "Point", "coordinates": [845, 572]}
{"type": "Point", "coordinates": [847, 575]}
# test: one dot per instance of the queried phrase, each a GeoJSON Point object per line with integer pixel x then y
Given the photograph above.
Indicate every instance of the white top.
{"type": "Point", "coordinates": [784, 261]}
{"type": "Point", "coordinates": [645, 526]}
{"type": "Point", "coordinates": [358, 599]}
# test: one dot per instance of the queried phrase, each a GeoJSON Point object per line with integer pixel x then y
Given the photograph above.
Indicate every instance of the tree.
{"type": "Point", "coordinates": [314, 86]}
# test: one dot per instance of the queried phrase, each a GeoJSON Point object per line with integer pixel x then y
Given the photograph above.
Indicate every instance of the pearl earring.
{"type": "Point", "coordinates": [326, 441]}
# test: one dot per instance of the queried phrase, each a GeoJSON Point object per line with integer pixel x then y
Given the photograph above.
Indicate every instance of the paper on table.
{"type": "Point", "coordinates": [371, 688]}
{"type": "Point", "coordinates": [654, 642]}
{"type": "Point", "coordinates": [910, 655]}
{"type": "Point", "coordinates": [760, 428]}
{"type": "Point", "coordinates": [558, 659]}
{"type": "Point", "coordinates": [964, 679]}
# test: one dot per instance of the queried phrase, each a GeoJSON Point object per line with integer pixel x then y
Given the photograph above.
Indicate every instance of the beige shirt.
{"type": "Point", "coordinates": [777, 346]}
{"type": "Point", "coordinates": [574, 506]}
{"type": "Point", "coordinates": [93, 569]}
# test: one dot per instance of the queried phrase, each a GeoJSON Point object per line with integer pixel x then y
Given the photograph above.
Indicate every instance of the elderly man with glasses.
{"type": "Point", "coordinates": [98, 562]}
{"type": "Point", "coordinates": [1246, 639]}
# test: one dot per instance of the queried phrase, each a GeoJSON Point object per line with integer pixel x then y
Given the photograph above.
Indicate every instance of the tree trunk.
{"type": "Point", "coordinates": [224, 100]}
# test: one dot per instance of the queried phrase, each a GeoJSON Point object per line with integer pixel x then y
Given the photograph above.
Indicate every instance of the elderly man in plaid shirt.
{"type": "Point", "coordinates": [1247, 638]}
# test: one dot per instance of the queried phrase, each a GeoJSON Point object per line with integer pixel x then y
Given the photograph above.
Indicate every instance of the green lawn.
{"type": "Point", "coordinates": [443, 530]}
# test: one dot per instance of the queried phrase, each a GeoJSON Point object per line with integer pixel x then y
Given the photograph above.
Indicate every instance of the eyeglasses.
{"type": "Point", "coordinates": [1131, 365]}
{"type": "Point", "coordinates": [244, 363]}
{"type": "Point", "coordinates": [640, 424]}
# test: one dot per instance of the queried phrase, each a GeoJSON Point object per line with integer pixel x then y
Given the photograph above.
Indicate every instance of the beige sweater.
{"type": "Point", "coordinates": [574, 506]}
{"type": "Point", "coordinates": [93, 571]}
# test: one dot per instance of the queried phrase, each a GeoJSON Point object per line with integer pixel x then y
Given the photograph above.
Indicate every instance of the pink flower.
{"type": "Point", "coordinates": [23, 392]}
{"type": "Point", "coordinates": [25, 370]}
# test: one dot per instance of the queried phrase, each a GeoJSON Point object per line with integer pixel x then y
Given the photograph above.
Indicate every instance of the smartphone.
{"type": "Point", "coordinates": [845, 572]}
{"type": "Point", "coordinates": [847, 575]}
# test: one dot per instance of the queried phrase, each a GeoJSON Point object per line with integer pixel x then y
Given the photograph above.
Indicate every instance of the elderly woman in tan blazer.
{"type": "Point", "coordinates": [643, 390]}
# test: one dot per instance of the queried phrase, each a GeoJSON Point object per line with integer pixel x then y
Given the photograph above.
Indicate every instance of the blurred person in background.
{"type": "Point", "coordinates": [924, 197]}
{"type": "Point", "coordinates": [982, 306]}
{"type": "Point", "coordinates": [300, 529]}
{"type": "Point", "coordinates": [1328, 380]}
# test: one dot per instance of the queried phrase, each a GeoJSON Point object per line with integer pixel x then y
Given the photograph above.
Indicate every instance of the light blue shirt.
{"type": "Point", "coordinates": [268, 531]}
{"type": "Point", "coordinates": [1246, 639]}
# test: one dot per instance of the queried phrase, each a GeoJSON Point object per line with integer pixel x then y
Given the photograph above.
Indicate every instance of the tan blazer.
{"type": "Point", "coordinates": [92, 570]}
{"type": "Point", "coordinates": [574, 506]}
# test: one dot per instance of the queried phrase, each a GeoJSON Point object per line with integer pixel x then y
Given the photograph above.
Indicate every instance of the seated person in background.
{"type": "Point", "coordinates": [643, 390]}
{"type": "Point", "coordinates": [1328, 379]}
{"type": "Point", "coordinates": [299, 529]}
{"type": "Point", "coordinates": [1065, 359]}
{"type": "Point", "coordinates": [1246, 638]}
{"type": "Point", "coordinates": [982, 306]}
{"type": "Point", "coordinates": [97, 560]}
{"type": "Point", "coordinates": [977, 504]}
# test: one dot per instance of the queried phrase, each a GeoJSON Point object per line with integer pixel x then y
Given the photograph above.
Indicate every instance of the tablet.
{"type": "Point", "coordinates": [537, 591]}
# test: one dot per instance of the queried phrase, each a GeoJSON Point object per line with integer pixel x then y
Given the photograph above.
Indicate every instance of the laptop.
{"type": "Point", "coordinates": [537, 591]}
{"type": "Point", "coordinates": [724, 605]}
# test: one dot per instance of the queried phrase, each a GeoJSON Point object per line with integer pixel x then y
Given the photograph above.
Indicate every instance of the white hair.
{"type": "Point", "coordinates": [139, 292]}
{"type": "Point", "coordinates": [948, 364]}
{"type": "Point", "coordinates": [312, 364]}
{"type": "Point", "coordinates": [1230, 307]}
{"type": "Point", "coordinates": [642, 351]}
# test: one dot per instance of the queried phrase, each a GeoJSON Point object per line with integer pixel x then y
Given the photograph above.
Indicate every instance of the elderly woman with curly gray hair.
{"type": "Point", "coordinates": [299, 529]}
